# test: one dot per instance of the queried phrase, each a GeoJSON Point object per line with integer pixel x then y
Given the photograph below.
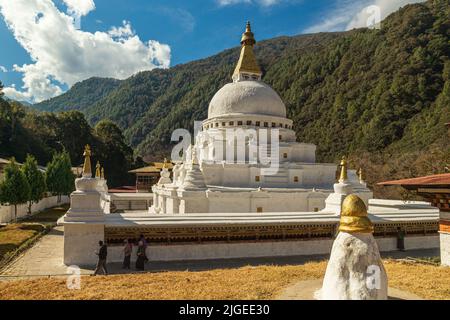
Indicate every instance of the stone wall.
{"type": "Point", "coordinates": [261, 249]}
{"type": "Point", "coordinates": [7, 212]}
{"type": "Point", "coordinates": [445, 248]}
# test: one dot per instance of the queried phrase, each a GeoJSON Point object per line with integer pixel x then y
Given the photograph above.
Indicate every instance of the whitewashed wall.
{"type": "Point", "coordinates": [7, 212]}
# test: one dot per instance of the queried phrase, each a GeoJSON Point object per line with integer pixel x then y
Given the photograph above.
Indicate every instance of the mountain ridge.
{"type": "Point", "coordinates": [373, 90]}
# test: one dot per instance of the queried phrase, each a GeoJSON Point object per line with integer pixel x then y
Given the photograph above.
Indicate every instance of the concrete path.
{"type": "Point", "coordinates": [306, 290]}
{"type": "Point", "coordinates": [45, 258]}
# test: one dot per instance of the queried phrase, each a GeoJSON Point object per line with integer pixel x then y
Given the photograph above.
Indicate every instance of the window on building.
{"type": "Point", "coordinates": [217, 124]}
{"type": "Point", "coordinates": [281, 125]}
{"type": "Point", "coordinates": [274, 124]}
{"type": "Point", "coordinates": [239, 123]}
{"type": "Point", "coordinates": [258, 123]}
{"type": "Point", "coordinates": [231, 123]}
{"type": "Point", "coordinates": [280, 137]}
{"type": "Point", "coordinates": [259, 210]}
{"type": "Point", "coordinates": [286, 126]}
{"type": "Point", "coordinates": [266, 124]}
{"type": "Point", "coordinates": [295, 179]}
{"type": "Point", "coordinates": [285, 155]}
{"type": "Point", "coordinates": [249, 123]}
{"type": "Point", "coordinates": [257, 178]}
{"type": "Point", "coordinates": [224, 124]}
{"type": "Point", "coordinates": [316, 209]}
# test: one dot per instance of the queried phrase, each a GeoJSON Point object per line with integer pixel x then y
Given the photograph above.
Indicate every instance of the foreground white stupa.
{"type": "Point", "coordinates": [268, 172]}
{"type": "Point", "coordinates": [355, 270]}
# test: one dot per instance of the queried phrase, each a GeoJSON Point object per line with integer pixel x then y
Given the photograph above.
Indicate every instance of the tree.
{"type": "Point", "coordinates": [59, 176]}
{"type": "Point", "coordinates": [113, 153]}
{"type": "Point", "coordinates": [14, 189]}
{"type": "Point", "coordinates": [1, 89]}
{"type": "Point", "coordinates": [35, 179]}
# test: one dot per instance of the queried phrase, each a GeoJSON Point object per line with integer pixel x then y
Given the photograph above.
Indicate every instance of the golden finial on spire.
{"type": "Point", "coordinates": [361, 175]}
{"type": "Point", "coordinates": [97, 170]}
{"type": "Point", "coordinates": [165, 164]}
{"type": "Point", "coordinates": [354, 217]}
{"type": "Point", "coordinates": [343, 176]}
{"type": "Point", "coordinates": [102, 174]}
{"type": "Point", "coordinates": [87, 171]}
{"type": "Point", "coordinates": [247, 64]}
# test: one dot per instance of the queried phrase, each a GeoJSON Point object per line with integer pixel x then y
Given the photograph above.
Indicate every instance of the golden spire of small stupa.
{"type": "Point", "coordinates": [247, 62]}
{"type": "Point", "coordinates": [361, 175]}
{"type": "Point", "coordinates": [354, 217]}
{"type": "Point", "coordinates": [87, 171]}
{"type": "Point", "coordinates": [165, 164]}
{"type": "Point", "coordinates": [102, 174]}
{"type": "Point", "coordinates": [97, 170]}
{"type": "Point", "coordinates": [343, 177]}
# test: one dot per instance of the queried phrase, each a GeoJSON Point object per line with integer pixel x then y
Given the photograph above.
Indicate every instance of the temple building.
{"type": "Point", "coordinates": [245, 188]}
{"type": "Point", "coordinates": [214, 182]}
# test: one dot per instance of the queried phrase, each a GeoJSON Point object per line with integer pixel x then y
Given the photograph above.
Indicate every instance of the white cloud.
{"type": "Point", "coordinates": [3, 69]}
{"type": "Point", "coordinates": [61, 54]}
{"type": "Point", "coordinates": [264, 3]}
{"type": "Point", "coordinates": [79, 7]}
{"type": "Point", "coordinates": [363, 18]}
{"type": "Point", "coordinates": [348, 14]}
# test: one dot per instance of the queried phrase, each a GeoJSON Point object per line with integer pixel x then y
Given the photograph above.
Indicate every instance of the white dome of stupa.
{"type": "Point", "coordinates": [246, 97]}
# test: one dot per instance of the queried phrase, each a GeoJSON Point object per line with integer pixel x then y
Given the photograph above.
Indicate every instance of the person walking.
{"type": "Point", "coordinates": [127, 250]}
{"type": "Point", "coordinates": [140, 261]}
{"type": "Point", "coordinates": [400, 239]}
{"type": "Point", "coordinates": [145, 244]}
{"type": "Point", "coordinates": [102, 254]}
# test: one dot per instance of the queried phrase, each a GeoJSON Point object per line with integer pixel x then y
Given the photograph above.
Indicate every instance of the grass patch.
{"type": "Point", "coordinates": [15, 235]}
{"type": "Point", "coordinates": [49, 216]}
{"type": "Point", "coordinates": [262, 282]}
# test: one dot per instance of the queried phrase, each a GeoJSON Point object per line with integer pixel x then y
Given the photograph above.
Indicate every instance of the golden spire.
{"type": "Point", "coordinates": [361, 175]}
{"type": "Point", "coordinates": [343, 176]}
{"type": "Point", "coordinates": [247, 62]}
{"type": "Point", "coordinates": [87, 171]}
{"type": "Point", "coordinates": [97, 170]}
{"type": "Point", "coordinates": [102, 174]}
{"type": "Point", "coordinates": [165, 165]}
{"type": "Point", "coordinates": [354, 217]}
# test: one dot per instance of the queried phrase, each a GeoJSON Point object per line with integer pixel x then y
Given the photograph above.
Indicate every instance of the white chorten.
{"type": "Point", "coordinates": [355, 270]}
{"type": "Point", "coordinates": [247, 143]}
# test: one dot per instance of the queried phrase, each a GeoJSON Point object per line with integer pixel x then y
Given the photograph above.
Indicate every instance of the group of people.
{"type": "Point", "coordinates": [127, 252]}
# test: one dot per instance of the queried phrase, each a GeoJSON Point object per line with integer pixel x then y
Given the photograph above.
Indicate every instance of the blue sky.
{"type": "Point", "coordinates": [52, 52]}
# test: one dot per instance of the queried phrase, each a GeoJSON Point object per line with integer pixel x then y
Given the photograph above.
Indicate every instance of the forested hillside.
{"type": "Point", "coordinates": [383, 93]}
{"type": "Point", "coordinates": [81, 95]}
{"type": "Point", "coordinates": [41, 134]}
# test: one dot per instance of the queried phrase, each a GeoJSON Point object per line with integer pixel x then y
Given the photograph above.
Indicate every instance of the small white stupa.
{"type": "Point", "coordinates": [165, 175]}
{"type": "Point", "coordinates": [355, 270]}
{"type": "Point", "coordinates": [342, 188]}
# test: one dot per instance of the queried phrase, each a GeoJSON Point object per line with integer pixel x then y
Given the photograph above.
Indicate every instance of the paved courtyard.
{"type": "Point", "coordinates": [45, 258]}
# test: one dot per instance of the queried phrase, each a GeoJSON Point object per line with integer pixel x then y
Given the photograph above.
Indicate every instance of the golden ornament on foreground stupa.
{"type": "Point", "coordinates": [354, 217]}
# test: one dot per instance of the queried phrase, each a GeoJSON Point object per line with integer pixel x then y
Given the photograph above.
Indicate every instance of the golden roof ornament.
{"type": "Point", "coordinates": [354, 217]}
{"type": "Point", "coordinates": [361, 175]}
{"type": "Point", "coordinates": [343, 177]}
{"type": "Point", "coordinates": [247, 63]}
{"type": "Point", "coordinates": [165, 164]}
{"type": "Point", "coordinates": [87, 170]}
{"type": "Point", "coordinates": [97, 170]}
